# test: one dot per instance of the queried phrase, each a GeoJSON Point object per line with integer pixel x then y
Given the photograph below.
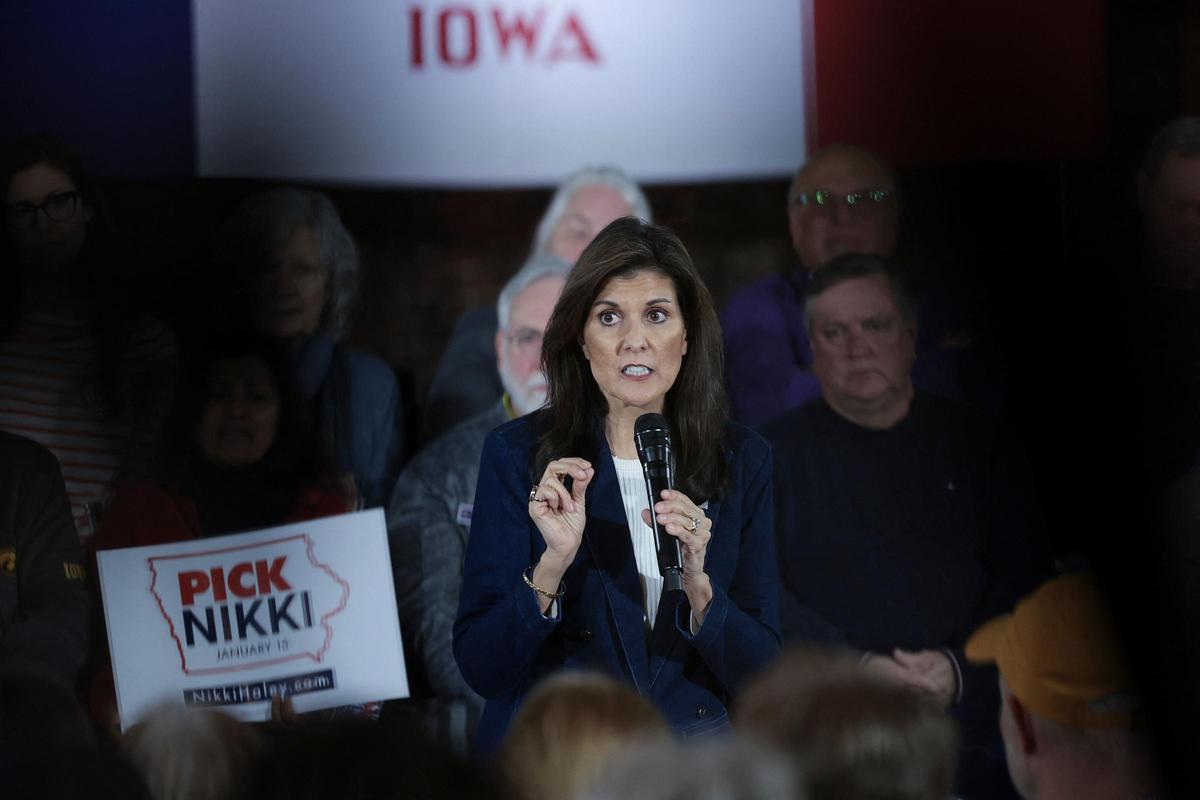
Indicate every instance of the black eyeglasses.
{"type": "Point", "coordinates": [57, 208]}
{"type": "Point", "coordinates": [824, 197]}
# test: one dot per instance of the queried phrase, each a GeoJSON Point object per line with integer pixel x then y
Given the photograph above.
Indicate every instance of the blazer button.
{"type": "Point", "coordinates": [585, 635]}
{"type": "Point", "coordinates": [701, 712]}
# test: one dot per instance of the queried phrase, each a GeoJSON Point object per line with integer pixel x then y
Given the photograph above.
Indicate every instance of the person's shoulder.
{"type": "Point", "coordinates": [744, 441]}
{"type": "Point", "coordinates": [368, 368]}
{"type": "Point", "coordinates": [795, 424]}
{"type": "Point", "coordinates": [462, 440]}
{"type": "Point", "coordinates": [18, 453]}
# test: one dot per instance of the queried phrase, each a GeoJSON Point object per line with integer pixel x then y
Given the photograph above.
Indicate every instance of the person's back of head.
{"type": "Point", "coordinates": [568, 728]}
{"type": "Point", "coordinates": [1070, 716]}
{"type": "Point", "coordinates": [853, 736]}
{"type": "Point", "coordinates": [193, 754]}
{"type": "Point", "coordinates": [725, 768]}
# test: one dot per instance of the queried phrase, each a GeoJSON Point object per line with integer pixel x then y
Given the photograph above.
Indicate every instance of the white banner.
{"type": "Point", "coordinates": [306, 610]}
{"type": "Point", "coordinates": [498, 92]}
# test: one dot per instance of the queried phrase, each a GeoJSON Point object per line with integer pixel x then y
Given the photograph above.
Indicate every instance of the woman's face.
{"type": "Point", "coordinates": [635, 340]}
{"type": "Point", "coordinates": [47, 221]}
{"type": "Point", "coordinates": [291, 292]}
{"type": "Point", "coordinates": [238, 425]}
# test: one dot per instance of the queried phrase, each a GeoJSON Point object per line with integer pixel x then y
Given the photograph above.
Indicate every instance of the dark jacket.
{"type": "Point", "coordinates": [504, 646]}
{"type": "Point", "coordinates": [357, 406]}
{"type": "Point", "coordinates": [43, 601]}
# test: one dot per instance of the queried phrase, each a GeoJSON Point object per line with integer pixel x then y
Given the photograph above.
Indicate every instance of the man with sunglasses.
{"type": "Point", "coordinates": [843, 200]}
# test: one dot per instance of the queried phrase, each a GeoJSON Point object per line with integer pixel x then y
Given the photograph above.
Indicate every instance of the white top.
{"type": "Point", "coordinates": [645, 549]}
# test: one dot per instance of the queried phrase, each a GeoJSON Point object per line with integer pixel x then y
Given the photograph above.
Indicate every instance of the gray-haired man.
{"type": "Point", "coordinates": [430, 513]}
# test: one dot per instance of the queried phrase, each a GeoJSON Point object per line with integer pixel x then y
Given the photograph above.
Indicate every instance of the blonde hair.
{"type": "Point", "coordinates": [569, 727]}
{"type": "Point", "coordinates": [188, 754]}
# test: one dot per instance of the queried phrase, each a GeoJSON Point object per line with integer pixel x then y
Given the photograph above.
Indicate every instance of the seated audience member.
{"type": "Point", "coordinates": [466, 381]}
{"type": "Point", "coordinates": [240, 457]}
{"type": "Point", "coordinates": [843, 200]}
{"type": "Point", "coordinates": [1166, 360]}
{"type": "Point", "coordinates": [79, 372]}
{"type": "Point", "coordinates": [298, 267]}
{"type": "Point", "coordinates": [853, 735]}
{"type": "Point", "coordinates": [194, 754]}
{"type": "Point", "coordinates": [43, 602]}
{"type": "Point", "coordinates": [730, 768]}
{"type": "Point", "coordinates": [902, 522]}
{"type": "Point", "coordinates": [569, 730]}
{"type": "Point", "coordinates": [1069, 705]}
{"type": "Point", "coordinates": [430, 513]}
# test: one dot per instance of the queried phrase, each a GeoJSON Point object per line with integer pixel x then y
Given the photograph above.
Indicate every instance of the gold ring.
{"type": "Point", "coordinates": [533, 498]}
{"type": "Point", "coordinates": [695, 524]}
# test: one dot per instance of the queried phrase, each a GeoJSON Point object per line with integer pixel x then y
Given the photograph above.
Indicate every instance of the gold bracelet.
{"type": "Point", "coordinates": [540, 590]}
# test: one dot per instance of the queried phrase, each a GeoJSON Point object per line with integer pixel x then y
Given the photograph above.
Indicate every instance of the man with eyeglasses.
{"type": "Point", "coordinates": [430, 513]}
{"type": "Point", "coordinates": [843, 200]}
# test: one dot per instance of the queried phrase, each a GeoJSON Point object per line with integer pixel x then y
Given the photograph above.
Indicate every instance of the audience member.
{"type": "Point", "coordinates": [730, 768]}
{"type": "Point", "coordinates": [430, 513]}
{"type": "Point", "coordinates": [79, 372]}
{"type": "Point", "coordinates": [559, 578]}
{"type": "Point", "coordinates": [43, 602]}
{"type": "Point", "coordinates": [298, 269]}
{"type": "Point", "coordinates": [1166, 361]}
{"type": "Point", "coordinates": [842, 200]}
{"type": "Point", "coordinates": [568, 731]}
{"type": "Point", "coordinates": [902, 522]}
{"type": "Point", "coordinates": [853, 735]}
{"type": "Point", "coordinates": [192, 754]}
{"type": "Point", "coordinates": [1069, 713]}
{"type": "Point", "coordinates": [466, 381]}
{"type": "Point", "coordinates": [240, 456]}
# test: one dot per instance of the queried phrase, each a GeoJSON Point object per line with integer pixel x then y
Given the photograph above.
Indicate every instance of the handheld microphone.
{"type": "Point", "coordinates": [652, 437]}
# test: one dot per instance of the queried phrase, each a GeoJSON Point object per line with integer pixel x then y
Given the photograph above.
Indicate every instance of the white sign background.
{"type": "Point", "coordinates": [678, 90]}
{"type": "Point", "coordinates": [355, 633]}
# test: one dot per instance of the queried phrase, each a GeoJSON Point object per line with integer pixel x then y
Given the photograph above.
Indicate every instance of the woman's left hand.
{"type": "Point", "coordinates": [688, 523]}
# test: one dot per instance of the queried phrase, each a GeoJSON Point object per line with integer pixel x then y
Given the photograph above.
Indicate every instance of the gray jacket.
{"type": "Point", "coordinates": [428, 522]}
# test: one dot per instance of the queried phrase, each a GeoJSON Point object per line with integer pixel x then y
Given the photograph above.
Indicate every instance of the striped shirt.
{"type": "Point", "coordinates": [50, 392]}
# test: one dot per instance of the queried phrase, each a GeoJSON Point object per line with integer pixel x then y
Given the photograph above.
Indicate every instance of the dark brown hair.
{"type": "Point", "coordinates": [696, 406]}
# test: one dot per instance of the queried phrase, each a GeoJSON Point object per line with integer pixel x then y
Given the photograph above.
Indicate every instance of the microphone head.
{"type": "Point", "coordinates": [652, 437]}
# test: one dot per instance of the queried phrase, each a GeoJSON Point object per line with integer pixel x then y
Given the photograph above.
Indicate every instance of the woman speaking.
{"type": "Point", "coordinates": [561, 569]}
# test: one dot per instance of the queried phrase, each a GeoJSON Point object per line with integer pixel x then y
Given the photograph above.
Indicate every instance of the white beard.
{"type": "Point", "coordinates": [525, 397]}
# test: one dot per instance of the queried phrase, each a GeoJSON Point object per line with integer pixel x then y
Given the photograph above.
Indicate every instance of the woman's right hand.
{"type": "Point", "coordinates": [561, 515]}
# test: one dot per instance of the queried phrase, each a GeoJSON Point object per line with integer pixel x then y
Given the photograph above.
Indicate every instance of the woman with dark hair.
{"type": "Point", "coordinates": [296, 269]}
{"type": "Point", "coordinates": [564, 575]}
{"type": "Point", "coordinates": [79, 371]}
{"type": "Point", "coordinates": [240, 455]}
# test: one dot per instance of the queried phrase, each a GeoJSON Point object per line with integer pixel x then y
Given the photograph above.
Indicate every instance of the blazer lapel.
{"type": "Point", "coordinates": [607, 537]}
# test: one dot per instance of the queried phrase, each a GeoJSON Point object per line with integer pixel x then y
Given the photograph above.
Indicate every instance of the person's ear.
{"type": "Point", "coordinates": [1023, 724]}
{"type": "Point", "coordinates": [583, 346]}
{"type": "Point", "coordinates": [88, 212]}
{"type": "Point", "coordinates": [684, 342]}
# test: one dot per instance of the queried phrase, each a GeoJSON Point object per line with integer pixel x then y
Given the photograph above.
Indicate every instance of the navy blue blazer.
{"type": "Point", "coordinates": [504, 646]}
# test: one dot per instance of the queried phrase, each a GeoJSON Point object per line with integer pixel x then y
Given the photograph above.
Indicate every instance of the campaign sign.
{"type": "Point", "coordinates": [305, 610]}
